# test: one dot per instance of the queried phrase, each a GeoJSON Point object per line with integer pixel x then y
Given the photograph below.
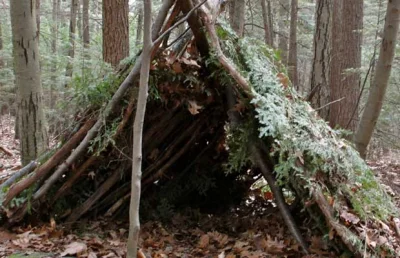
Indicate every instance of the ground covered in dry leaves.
{"type": "Point", "coordinates": [255, 230]}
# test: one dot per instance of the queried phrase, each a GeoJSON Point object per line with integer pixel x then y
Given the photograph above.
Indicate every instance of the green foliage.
{"type": "Point", "coordinates": [304, 144]}
{"type": "Point", "coordinates": [239, 153]}
{"type": "Point", "coordinates": [90, 89]}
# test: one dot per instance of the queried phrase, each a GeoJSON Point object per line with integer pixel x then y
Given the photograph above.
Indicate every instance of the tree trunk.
{"type": "Point", "coordinates": [115, 31]}
{"type": "Point", "coordinates": [319, 92]}
{"type": "Point", "coordinates": [31, 122]}
{"type": "Point", "coordinates": [231, 12]}
{"type": "Point", "coordinates": [86, 32]}
{"type": "Point", "coordinates": [283, 29]}
{"type": "Point", "coordinates": [381, 78]}
{"type": "Point", "coordinates": [79, 20]}
{"type": "Point", "coordinates": [268, 37]}
{"type": "Point", "coordinates": [54, 32]}
{"type": "Point", "coordinates": [271, 22]}
{"type": "Point", "coordinates": [37, 6]}
{"type": "Point", "coordinates": [72, 36]}
{"type": "Point", "coordinates": [292, 62]}
{"type": "Point", "coordinates": [346, 86]}
{"type": "Point", "coordinates": [1, 47]}
{"type": "Point", "coordinates": [134, 222]}
{"type": "Point", "coordinates": [239, 17]}
{"type": "Point", "coordinates": [139, 28]}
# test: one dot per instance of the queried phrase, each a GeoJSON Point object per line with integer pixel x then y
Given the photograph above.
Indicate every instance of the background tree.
{"type": "Point", "coordinates": [85, 24]}
{"type": "Point", "coordinates": [380, 80]}
{"type": "Point", "coordinates": [115, 31]}
{"type": "Point", "coordinates": [139, 25]}
{"type": "Point", "coordinates": [284, 10]}
{"type": "Point", "coordinates": [267, 20]}
{"type": "Point", "coordinates": [72, 37]}
{"type": "Point", "coordinates": [239, 14]}
{"type": "Point", "coordinates": [292, 61]}
{"type": "Point", "coordinates": [346, 86]}
{"type": "Point", "coordinates": [319, 91]}
{"type": "Point", "coordinates": [37, 6]}
{"type": "Point", "coordinates": [31, 121]}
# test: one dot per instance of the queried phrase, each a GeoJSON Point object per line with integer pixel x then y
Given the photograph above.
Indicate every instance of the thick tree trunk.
{"type": "Point", "coordinates": [134, 222]}
{"type": "Point", "coordinates": [72, 36]}
{"type": "Point", "coordinates": [115, 31]}
{"type": "Point", "coordinates": [381, 78]}
{"type": "Point", "coordinates": [268, 37]}
{"type": "Point", "coordinates": [86, 31]}
{"type": "Point", "coordinates": [346, 86]}
{"type": "Point", "coordinates": [239, 17]}
{"type": "Point", "coordinates": [283, 29]}
{"type": "Point", "coordinates": [32, 129]}
{"type": "Point", "coordinates": [335, 67]}
{"type": "Point", "coordinates": [292, 62]}
{"type": "Point", "coordinates": [319, 92]}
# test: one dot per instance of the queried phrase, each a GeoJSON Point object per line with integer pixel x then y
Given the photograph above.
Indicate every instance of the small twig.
{"type": "Point", "coordinates": [7, 152]}
{"type": "Point", "coordinates": [178, 38]}
{"type": "Point", "coordinates": [330, 103]}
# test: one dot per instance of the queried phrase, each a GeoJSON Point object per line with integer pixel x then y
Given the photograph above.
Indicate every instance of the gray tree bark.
{"type": "Point", "coordinates": [32, 129]}
{"type": "Point", "coordinates": [284, 6]}
{"type": "Point", "coordinates": [54, 47]}
{"type": "Point", "coordinates": [134, 222]}
{"type": "Point", "coordinates": [292, 61]}
{"type": "Point", "coordinates": [380, 81]}
{"type": "Point", "coordinates": [37, 6]}
{"type": "Point", "coordinates": [322, 57]}
{"type": "Point", "coordinates": [239, 17]}
{"type": "Point", "coordinates": [139, 28]}
{"type": "Point", "coordinates": [267, 20]}
{"type": "Point", "coordinates": [1, 46]}
{"type": "Point", "coordinates": [72, 37]}
{"type": "Point", "coordinates": [86, 31]}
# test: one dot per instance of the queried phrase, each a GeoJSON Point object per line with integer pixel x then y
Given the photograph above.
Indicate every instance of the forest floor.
{"type": "Point", "coordinates": [251, 231]}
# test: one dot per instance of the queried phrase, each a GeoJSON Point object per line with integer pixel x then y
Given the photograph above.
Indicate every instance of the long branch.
{"type": "Point", "coordinates": [134, 222]}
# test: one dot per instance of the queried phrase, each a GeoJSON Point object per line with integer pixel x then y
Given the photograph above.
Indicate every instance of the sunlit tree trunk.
{"type": "Point", "coordinates": [378, 88]}
{"type": "Point", "coordinates": [319, 92]}
{"type": "Point", "coordinates": [115, 31]}
{"type": "Point", "coordinates": [32, 129]}
{"type": "Point", "coordinates": [292, 61]}
{"type": "Point", "coordinates": [346, 86]}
